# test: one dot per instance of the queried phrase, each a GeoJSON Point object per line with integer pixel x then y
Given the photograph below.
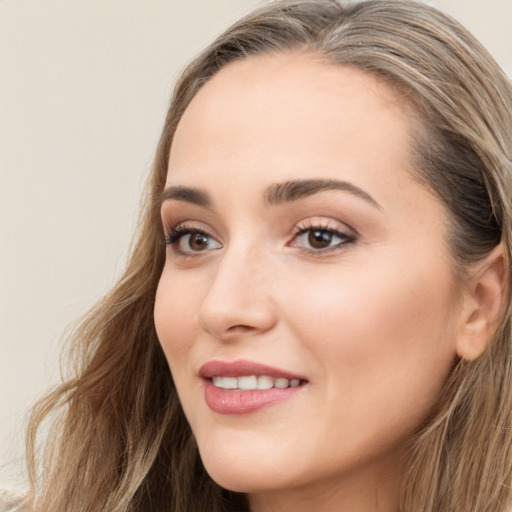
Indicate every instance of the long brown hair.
{"type": "Point", "coordinates": [118, 439]}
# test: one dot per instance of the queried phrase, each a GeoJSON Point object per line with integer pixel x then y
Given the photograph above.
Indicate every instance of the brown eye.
{"type": "Point", "coordinates": [190, 241]}
{"type": "Point", "coordinates": [198, 241]}
{"type": "Point", "coordinates": [320, 238]}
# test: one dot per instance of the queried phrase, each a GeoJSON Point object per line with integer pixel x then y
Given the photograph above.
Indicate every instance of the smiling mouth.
{"type": "Point", "coordinates": [254, 382]}
{"type": "Point", "coordinates": [241, 387]}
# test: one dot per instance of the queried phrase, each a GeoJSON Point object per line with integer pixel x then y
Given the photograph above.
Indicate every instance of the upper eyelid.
{"type": "Point", "coordinates": [184, 229]}
{"type": "Point", "coordinates": [313, 222]}
{"type": "Point", "coordinates": [326, 223]}
{"type": "Point", "coordinates": [334, 230]}
{"type": "Point", "coordinates": [183, 198]}
{"type": "Point", "coordinates": [170, 226]}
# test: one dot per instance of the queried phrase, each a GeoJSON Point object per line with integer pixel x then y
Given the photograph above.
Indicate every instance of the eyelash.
{"type": "Point", "coordinates": [310, 226]}
{"type": "Point", "coordinates": [177, 233]}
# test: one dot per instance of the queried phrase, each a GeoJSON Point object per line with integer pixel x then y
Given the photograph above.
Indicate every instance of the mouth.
{"type": "Point", "coordinates": [241, 387]}
{"type": "Point", "coordinates": [250, 382]}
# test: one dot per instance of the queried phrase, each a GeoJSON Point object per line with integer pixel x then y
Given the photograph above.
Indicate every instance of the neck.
{"type": "Point", "coordinates": [367, 490]}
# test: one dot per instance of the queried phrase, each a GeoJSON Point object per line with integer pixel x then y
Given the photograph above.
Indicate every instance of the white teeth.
{"type": "Point", "coordinates": [265, 382]}
{"type": "Point", "coordinates": [281, 383]}
{"type": "Point", "coordinates": [250, 382]}
{"type": "Point", "coordinates": [254, 382]}
{"type": "Point", "coordinates": [229, 382]}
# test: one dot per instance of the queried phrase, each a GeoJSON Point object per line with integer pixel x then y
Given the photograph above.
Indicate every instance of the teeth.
{"type": "Point", "coordinates": [248, 382]}
{"type": "Point", "coordinates": [281, 383]}
{"type": "Point", "coordinates": [229, 382]}
{"type": "Point", "coordinates": [254, 382]}
{"type": "Point", "coordinates": [265, 382]}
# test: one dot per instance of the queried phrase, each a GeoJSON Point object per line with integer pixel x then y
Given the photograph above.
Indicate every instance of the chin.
{"type": "Point", "coordinates": [239, 481]}
{"type": "Point", "coordinates": [245, 474]}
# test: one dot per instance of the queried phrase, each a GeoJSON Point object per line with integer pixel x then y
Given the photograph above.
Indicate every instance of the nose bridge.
{"type": "Point", "coordinates": [239, 296]}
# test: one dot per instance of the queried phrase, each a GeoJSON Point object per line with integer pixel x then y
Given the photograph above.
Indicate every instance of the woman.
{"type": "Point", "coordinates": [323, 263]}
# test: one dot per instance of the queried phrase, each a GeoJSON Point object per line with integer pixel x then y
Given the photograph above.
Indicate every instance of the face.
{"type": "Point", "coordinates": [308, 306]}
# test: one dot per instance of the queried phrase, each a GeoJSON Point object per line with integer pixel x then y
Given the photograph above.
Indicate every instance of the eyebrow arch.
{"type": "Point", "coordinates": [187, 194]}
{"type": "Point", "coordinates": [293, 190]}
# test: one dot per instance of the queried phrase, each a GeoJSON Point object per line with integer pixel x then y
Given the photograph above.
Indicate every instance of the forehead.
{"type": "Point", "coordinates": [288, 114]}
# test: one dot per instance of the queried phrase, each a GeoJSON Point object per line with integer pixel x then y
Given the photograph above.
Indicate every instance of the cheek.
{"type": "Point", "coordinates": [174, 315]}
{"type": "Point", "coordinates": [379, 335]}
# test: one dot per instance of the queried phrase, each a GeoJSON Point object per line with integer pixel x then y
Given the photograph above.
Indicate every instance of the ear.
{"type": "Point", "coordinates": [483, 305]}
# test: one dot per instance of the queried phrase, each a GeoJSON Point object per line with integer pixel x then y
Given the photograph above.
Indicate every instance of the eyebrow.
{"type": "Point", "coordinates": [187, 194]}
{"type": "Point", "coordinates": [293, 190]}
{"type": "Point", "coordinates": [275, 194]}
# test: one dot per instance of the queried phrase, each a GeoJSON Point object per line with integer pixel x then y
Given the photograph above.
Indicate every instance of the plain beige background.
{"type": "Point", "coordinates": [83, 91]}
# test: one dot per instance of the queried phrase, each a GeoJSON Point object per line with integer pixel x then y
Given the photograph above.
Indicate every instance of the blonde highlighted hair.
{"type": "Point", "coordinates": [119, 441]}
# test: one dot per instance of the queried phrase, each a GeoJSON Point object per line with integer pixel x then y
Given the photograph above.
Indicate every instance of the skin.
{"type": "Point", "coordinates": [372, 322]}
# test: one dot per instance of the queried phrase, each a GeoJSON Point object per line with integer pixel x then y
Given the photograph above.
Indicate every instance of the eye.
{"type": "Point", "coordinates": [188, 240]}
{"type": "Point", "coordinates": [321, 239]}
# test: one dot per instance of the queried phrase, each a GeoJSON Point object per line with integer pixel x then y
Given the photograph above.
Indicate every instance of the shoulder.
{"type": "Point", "coordinates": [11, 502]}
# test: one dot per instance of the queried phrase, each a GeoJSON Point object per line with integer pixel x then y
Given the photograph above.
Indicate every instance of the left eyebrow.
{"type": "Point", "coordinates": [187, 194]}
{"type": "Point", "coordinates": [293, 190]}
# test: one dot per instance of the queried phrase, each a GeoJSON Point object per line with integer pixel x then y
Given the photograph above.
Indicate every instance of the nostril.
{"type": "Point", "coordinates": [240, 329]}
{"type": "Point", "coordinates": [224, 314]}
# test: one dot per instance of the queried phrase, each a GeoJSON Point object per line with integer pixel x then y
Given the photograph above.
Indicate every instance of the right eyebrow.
{"type": "Point", "coordinates": [293, 190]}
{"type": "Point", "coordinates": [187, 194]}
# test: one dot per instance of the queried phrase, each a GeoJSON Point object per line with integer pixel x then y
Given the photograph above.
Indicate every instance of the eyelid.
{"type": "Point", "coordinates": [347, 235]}
{"type": "Point", "coordinates": [171, 226]}
{"type": "Point", "coordinates": [325, 223]}
{"type": "Point", "coordinates": [174, 214]}
{"type": "Point", "coordinates": [175, 235]}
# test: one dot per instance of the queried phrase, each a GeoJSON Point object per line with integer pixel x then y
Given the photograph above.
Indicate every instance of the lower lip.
{"type": "Point", "coordinates": [236, 401]}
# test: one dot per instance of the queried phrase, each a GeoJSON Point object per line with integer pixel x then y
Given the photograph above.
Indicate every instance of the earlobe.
{"type": "Point", "coordinates": [483, 307]}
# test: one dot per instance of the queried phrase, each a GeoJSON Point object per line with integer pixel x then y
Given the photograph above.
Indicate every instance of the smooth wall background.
{"type": "Point", "coordinates": [84, 87]}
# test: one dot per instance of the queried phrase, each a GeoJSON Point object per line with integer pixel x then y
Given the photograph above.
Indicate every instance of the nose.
{"type": "Point", "coordinates": [238, 301]}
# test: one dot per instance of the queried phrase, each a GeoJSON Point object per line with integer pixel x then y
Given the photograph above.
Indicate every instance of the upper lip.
{"type": "Point", "coordinates": [241, 368]}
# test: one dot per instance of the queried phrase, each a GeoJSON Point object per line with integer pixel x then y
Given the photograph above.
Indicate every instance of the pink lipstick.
{"type": "Point", "coordinates": [241, 387]}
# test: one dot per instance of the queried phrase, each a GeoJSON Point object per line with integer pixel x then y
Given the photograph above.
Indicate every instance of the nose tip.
{"type": "Point", "coordinates": [224, 324]}
{"type": "Point", "coordinates": [237, 303]}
